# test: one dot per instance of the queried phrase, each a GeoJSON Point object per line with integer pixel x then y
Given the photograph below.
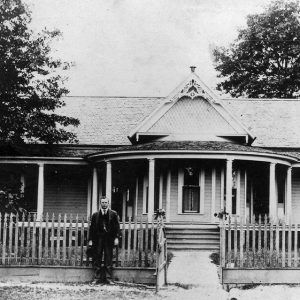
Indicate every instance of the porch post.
{"type": "Point", "coordinates": [288, 213]}
{"type": "Point", "coordinates": [40, 196]}
{"type": "Point", "coordinates": [168, 197]}
{"type": "Point", "coordinates": [151, 188]}
{"type": "Point", "coordinates": [95, 190]}
{"type": "Point", "coordinates": [108, 181]}
{"type": "Point", "coordinates": [272, 193]}
{"type": "Point", "coordinates": [229, 185]}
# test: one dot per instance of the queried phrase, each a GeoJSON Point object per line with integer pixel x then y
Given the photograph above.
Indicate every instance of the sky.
{"type": "Point", "coordinates": [139, 47]}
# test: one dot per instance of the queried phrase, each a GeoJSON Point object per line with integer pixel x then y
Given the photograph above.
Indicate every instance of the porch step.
{"type": "Point", "coordinates": [193, 237]}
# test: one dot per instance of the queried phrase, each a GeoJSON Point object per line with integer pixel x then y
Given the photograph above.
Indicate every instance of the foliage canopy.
{"type": "Point", "coordinates": [31, 84]}
{"type": "Point", "coordinates": [264, 60]}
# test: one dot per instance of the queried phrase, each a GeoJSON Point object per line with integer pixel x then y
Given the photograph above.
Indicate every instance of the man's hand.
{"type": "Point", "coordinates": [116, 242]}
{"type": "Point", "coordinates": [90, 243]}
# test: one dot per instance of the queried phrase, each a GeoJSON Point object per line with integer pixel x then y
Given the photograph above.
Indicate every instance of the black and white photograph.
{"type": "Point", "coordinates": [149, 149]}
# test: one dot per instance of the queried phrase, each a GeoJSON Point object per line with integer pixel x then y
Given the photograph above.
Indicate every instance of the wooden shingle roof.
{"type": "Point", "coordinates": [109, 120]}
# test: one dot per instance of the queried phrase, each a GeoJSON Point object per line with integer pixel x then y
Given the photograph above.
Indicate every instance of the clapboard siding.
{"type": "Point", "coordinates": [66, 190]}
{"type": "Point", "coordinates": [296, 196]}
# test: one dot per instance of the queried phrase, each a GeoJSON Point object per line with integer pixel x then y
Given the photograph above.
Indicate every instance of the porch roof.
{"type": "Point", "coordinates": [193, 146]}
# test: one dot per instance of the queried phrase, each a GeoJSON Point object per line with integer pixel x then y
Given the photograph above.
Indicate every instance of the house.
{"type": "Point", "coordinates": [190, 153]}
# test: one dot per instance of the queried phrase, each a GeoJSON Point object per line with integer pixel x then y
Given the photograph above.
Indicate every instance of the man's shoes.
{"type": "Point", "coordinates": [109, 281]}
{"type": "Point", "coordinates": [96, 281]}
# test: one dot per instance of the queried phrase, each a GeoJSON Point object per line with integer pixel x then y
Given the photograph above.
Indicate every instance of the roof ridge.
{"type": "Point", "coordinates": [260, 99]}
{"type": "Point", "coordinates": [133, 97]}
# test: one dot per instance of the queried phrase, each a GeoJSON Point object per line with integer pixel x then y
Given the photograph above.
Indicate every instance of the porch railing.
{"type": "Point", "coordinates": [63, 239]}
{"type": "Point", "coordinates": [259, 244]}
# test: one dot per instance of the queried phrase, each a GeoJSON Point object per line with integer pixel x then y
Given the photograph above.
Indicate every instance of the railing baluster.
{"type": "Point", "coordinates": [229, 243]}
{"type": "Point", "coordinates": [235, 241]}
{"type": "Point", "coordinates": [277, 250]}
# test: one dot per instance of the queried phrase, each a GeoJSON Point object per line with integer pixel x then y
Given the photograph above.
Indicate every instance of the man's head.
{"type": "Point", "coordinates": [104, 203]}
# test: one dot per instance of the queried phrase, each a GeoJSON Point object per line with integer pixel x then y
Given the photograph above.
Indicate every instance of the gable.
{"type": "Point", "coordinates": [191, 112]}
{"type": "Point", "coordinates": [193, 116]}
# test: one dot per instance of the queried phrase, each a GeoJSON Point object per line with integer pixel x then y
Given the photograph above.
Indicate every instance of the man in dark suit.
{"type": "Point", "coordinates": [103, 236]}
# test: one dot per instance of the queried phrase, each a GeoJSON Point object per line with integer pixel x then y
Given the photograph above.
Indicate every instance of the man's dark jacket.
{"type": "Point", "coordinates": [97, 229]}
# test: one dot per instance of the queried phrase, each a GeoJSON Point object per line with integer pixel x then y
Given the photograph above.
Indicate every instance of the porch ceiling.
{"type": "Point", "coordinates": [192, 147]}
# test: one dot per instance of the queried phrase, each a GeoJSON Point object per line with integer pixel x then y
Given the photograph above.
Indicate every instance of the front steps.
{"type": "Point", "coordinates": [196, 237]}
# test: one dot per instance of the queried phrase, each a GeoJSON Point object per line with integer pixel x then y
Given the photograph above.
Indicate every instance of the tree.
{"type": "Point", "coordinates": [264, 60]}
{"type": "Point", "coordinates": [31, 81]}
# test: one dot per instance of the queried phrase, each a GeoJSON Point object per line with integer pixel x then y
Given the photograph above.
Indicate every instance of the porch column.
{"type": "Point", "coordinates": [40, 195]}
{"type": "Point", "coordinates": [108, 181]}
{"type": "Point", "coordinates": [272, 193]}
{"type": "Point", "coordinates": [229, 185]}
{"type": "Point", "coordinates": [288, 213]}
{"type": "Point", "coordinates": [95, 190]}
{"type": "Point", "coordinates": [151, 188]}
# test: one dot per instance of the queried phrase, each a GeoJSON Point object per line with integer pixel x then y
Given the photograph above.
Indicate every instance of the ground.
{"type": "Point", "coordinates": [191, 275]}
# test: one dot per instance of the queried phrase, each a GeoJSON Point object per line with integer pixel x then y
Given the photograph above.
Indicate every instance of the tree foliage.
{"type": "Point", "coordinates": [31, 81]}
{"type": "Point", "coordinates": [264, 60]}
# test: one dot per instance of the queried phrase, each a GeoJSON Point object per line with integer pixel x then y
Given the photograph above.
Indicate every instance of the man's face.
{"type": "Point", "coordinates": [104, 203]}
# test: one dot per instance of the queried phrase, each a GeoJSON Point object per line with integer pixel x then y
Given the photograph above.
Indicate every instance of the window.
{"type": "Point", "coordinates": [191, 191]}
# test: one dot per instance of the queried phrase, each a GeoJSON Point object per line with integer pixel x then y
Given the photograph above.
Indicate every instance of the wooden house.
{"type": "Point", "coordinates": [191, 153]}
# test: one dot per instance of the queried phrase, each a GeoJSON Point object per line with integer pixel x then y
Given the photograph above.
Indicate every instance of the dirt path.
{"type": "Point", "coordinates": [194, 270]}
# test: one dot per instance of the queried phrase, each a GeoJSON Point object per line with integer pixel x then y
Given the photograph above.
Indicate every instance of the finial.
{"type": "Point", "coordinates": [193, 69]}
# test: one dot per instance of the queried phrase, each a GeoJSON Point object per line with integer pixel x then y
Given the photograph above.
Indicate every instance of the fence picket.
{"type": "Point", "coordinates": [277, 250]}
{"type": "Point", "coordinates": [10, 237]}
{"type": "Point", "coordinates": [33, 257]}
{"type": "Point", "coordinates": [58, 238]}
{"type": "Point", "coordinates": [16, 243]}
{"type": "Point", "coordinates": [265, 246]}
{"type": "Point", "coordinates": [140, 242]}
{"type": "Point", "coordinates": [271, 244]}
{"type": "Point", "coordinates": [64, 250]}
{"type": "Point", "coordinates": [40, 254]}
{"type": "Point", "coordinates": [296, 246]}
{"type": "Point", "coordinates": [123, 258]}
{"type": "Point", "coordinates": [259, 235]}
{"type": "Point", "coordinates": [229, 243]}
{"type": "Point", "coordinates": [135, 233]}
{"type": "Point", "coordinates": [81, 241]}
{"type": "Point", "coordinates": [146, 243]}
{"type": "Point", "coordinates": [76, 241]}
{"type": "Point", "coordinates": [46, 252]}
{"type": "Point", "coordinates": [70, 240]}
{"type": "Point", "coordinates": [241, 243]}
{"type": "Point", "coordinates": [129, 240]}
{"type": "Point", "coordinates": [247, 243]}
{"type": "Point", "coordinates": [22, 242]}
{"type": "Point", "coordinates": [235, 241]}
{"type": "Point", "coordinates": [152, 237]}
{"type": "Point", "coordinates": [4, 239]}
{"type": "Point", "coordinates": [253, 240]}
{"type": "Point", "coordinates": [52, 240]}
{"type": "Point", "coordinates": [283, 244]}
{"type": "Point", "coordinates": [28, 239]}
